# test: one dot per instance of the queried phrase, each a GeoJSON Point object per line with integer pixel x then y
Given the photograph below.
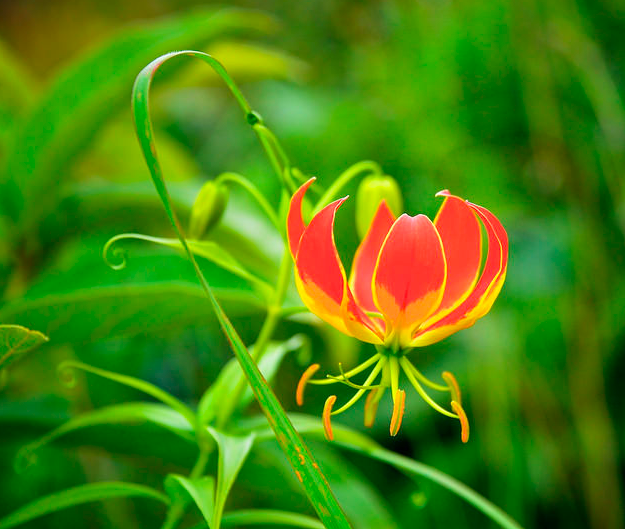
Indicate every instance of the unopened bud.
{"type": "Point", "coordinates": [371, 191]}
{"type": "Point", "coordinates": [207, 209]}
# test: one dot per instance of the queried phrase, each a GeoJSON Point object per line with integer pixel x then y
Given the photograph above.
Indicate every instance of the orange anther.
{"type": "Point", "coordinates": [453, 386]}
{"type": "Point", "coordinates": [464, 422]}
{"type": "Point", "coordinates": [301, 385]}
{"type": "Point", "coordinates": [327, 410]}
{"type": "Point", "coordinates": [398, 411]}
{"type": "Point", "coordinates": [371, 407]}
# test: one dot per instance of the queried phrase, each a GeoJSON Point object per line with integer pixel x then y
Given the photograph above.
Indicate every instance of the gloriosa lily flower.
{"type": "Point", "coordinates": [413, 282]}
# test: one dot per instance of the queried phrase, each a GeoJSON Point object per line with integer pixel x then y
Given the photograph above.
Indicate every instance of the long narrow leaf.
{"type": "Point", "coordinates": [296, 451]}
{"type": "Point", "coordinates": [233, 452]}
{"type": "Point", "coordinates": [269, 517]}
{"type": "Point", "coordinates": [364, 445]}
{"type": "Point", "coordinates": [66, 368]}
{"type": "Point", "coordinates": [128, 412]}
{"type": "Point", "coordinates": [77, 496]}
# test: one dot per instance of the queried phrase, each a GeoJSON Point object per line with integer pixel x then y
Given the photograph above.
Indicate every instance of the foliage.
{"type": "Point", "coordinates": [516, 106]}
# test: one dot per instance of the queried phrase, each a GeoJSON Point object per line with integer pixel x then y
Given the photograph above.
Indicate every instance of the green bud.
{"type": "Point", "coordinates": [208, 209]}
{"type": "Point", "coordinates": [371, 191]}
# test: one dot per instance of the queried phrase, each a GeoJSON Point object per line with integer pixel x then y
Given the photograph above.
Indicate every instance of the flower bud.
{"type": "Point", "coordinates": [207, 209]}
{"type": "Point", "coordinates": [371, 191]}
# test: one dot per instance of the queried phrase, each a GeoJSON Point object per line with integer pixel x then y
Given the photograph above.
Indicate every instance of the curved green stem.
{"type": "Point", "coordinates": [276, 154]}
{"type": "Point", "coordinates": [344, 178]}
{"type": "Point", "coordinates": [243, 182]}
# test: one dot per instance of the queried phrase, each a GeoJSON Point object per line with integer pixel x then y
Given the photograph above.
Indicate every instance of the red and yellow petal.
{"type": "Point", "coordinates": [481, 299]}
{"type": "Point", "coordinates": [320, 278]}
{"type": "Point", "coordinates": [295, 226]}
{"type": "Point", "coordinates": [410, 273]}
{"type": "Point", "coordinates": [459, 229]}
{"type": "Point", "coordinates": [367, 255]}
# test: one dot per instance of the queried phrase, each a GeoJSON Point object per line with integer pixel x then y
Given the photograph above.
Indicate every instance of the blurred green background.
{"type": "Point", "coordinates": [517, 106]}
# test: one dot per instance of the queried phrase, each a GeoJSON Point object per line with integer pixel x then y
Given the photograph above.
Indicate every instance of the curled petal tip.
{"type": "Point", "coordinates": [301, 385]}
{"type": "Point", "coordinates": [464, 421]}
{"type": "Point", "coordinates": [443, 193]}
{"type": "Point", "coordinates": [327, 411]}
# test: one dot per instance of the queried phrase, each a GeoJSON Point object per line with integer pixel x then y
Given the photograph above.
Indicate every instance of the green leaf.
{"type": "Point", "coordinates": [16, 341]}
{"type": "Point", "coordinates": [206, 249]}
{"type": "Point", "coordinates": [233, 452]}
{"type": "Point", "coordinates": [93, 204]}
{"type": "Point", "coordinates": [231, 374]}
{"type": "Point", "coordinates": [362, 444]}
{"type": "Point", "coordinates": [247, 517]}
{"type": "Point", "coordinates": [77, 496]}
{"type": "Point", "coordinates": [87, 301]}
{"type": "Point", "coordinates": [296, 451]}
{"type": "Point", "coordinates": [200, 490]}
{"type": "Point", "coordinates": [90, 91]}
{"type": "Point", "coordinates": [269, 517]}
{"type": "Point", "coordinates": [66, 371]}
{"type": "Point", "coordinates": [128, 412]}
{"type": "Point", "coordinates": [272, 359]}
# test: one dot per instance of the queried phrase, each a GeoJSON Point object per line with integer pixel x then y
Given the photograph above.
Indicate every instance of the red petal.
{"type": "Point", "coordinates": [409, 277]}
{"type": "Point", "coordinates": [367, 255]}
{"type": "Point", "coordinates": [485, 292]}
{"type": "Point", "coordinates": [460, 232]}
{"type": "Point", "coordinates": [321, 278]}
{"type": "Point", "coordinates": [295, 223]}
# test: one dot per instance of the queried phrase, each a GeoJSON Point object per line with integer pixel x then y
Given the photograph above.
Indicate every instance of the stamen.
{"type": "Point", "coordinates": [301, 385]}
{"type": "Point", "coordinates": [464, 422]}
{"type": "Point", "coordinates": [344, 380]}
{"type": "Point", "coordinates": [394, 373]}
{"type": "Point", "coordinates": [427, 381]}
{"type": "Point", "coordinates": [399, 406]}
{"type": "Point", "coordinates": [406, 365]}
{"type": "Point", "coordinates": [372, 376]}
{"type": "Point", "coordinates": [350, 373]}
{"type": "Point", "coordinates": [371, 405]}
{"type": "Point", "coordinates": [327, 412]}
{"type": "Point", "coordinates": [453, 386]}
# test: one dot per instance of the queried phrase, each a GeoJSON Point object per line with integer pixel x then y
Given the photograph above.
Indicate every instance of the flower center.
{"type": "Point", "coordinates": [385, 370]}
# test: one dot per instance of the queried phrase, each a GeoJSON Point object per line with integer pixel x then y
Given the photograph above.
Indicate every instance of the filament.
{"type": "Point", "coordinates": [344, 380]}
{"type": "Point", "coordinates": [405, 363]}
{"type": "Point", "coordinates": [394, 374]}
{"type": "Point", "coordinates": [428, 382]}
{"type": "Point", "coordinates": [327, 412]}
{"type": "Point", "coordinates": [350, 373]}
{"type": "Point", "coordinates": [372, 376]}
{"type": "Point", "coordinates": [301, 385]}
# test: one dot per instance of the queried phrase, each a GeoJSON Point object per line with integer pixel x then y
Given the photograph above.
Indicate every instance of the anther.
{"type": "Point", "coordinates": [327, 411]}
{"type": "Point", "coordinates": [399, 405]}
{"type": "Point", "coordinates": [464, 422]}
{"type": "Point", "coordinates": [301, 385]}
{"type": "Point", "coordinates": [371, 407]}
{"type": "Point", "coordinates": [453, 386]}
